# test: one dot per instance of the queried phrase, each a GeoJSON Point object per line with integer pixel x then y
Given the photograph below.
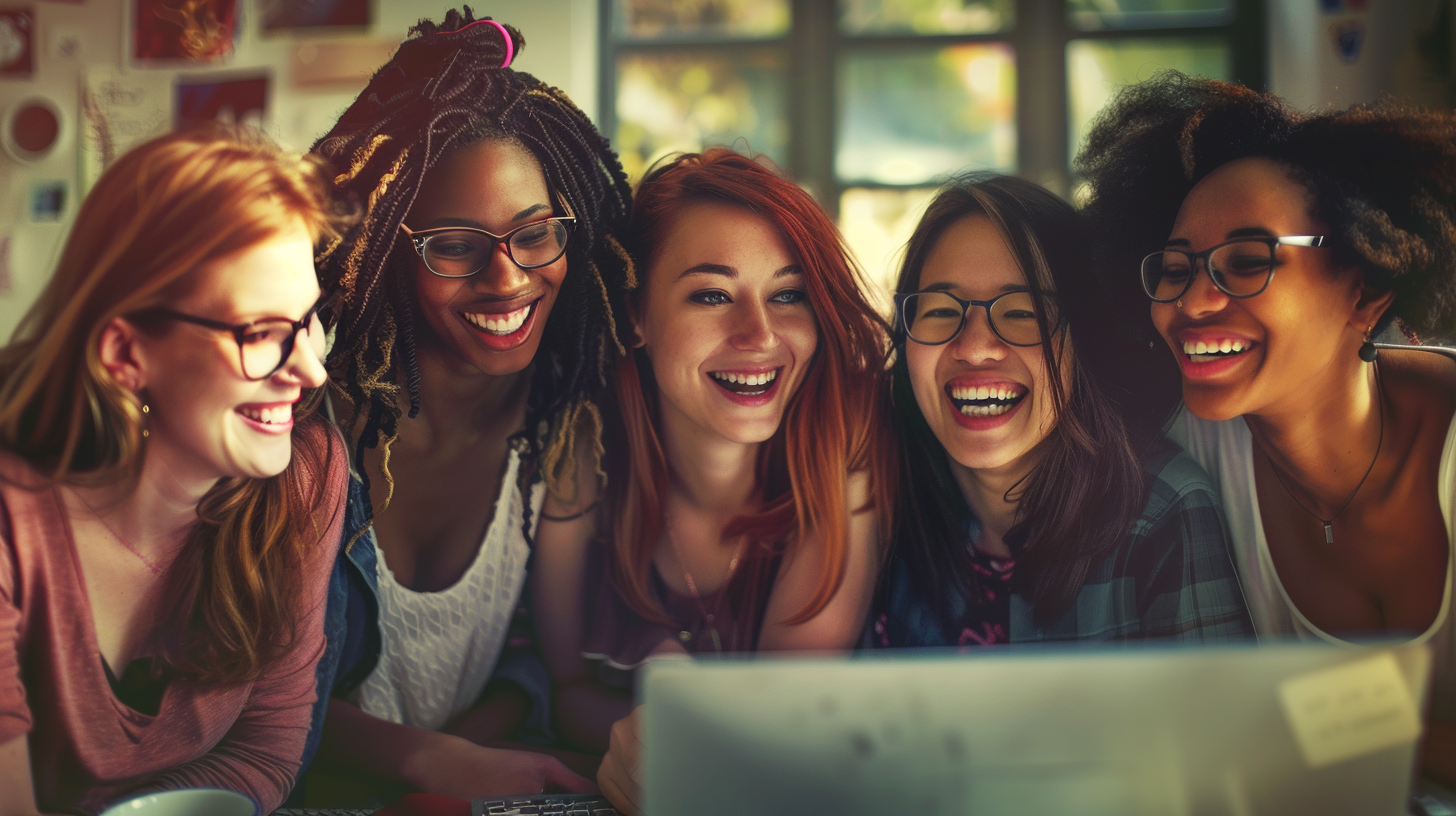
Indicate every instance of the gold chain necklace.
{"type": "Point", "coordinates": [151, 566]}
{"type": "Point", "coordinates": [708, 617]}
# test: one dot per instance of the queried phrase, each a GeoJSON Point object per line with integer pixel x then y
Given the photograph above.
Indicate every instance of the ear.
{"type": "Point", "coordinates": [634, 318]}
{"type": "Point", "coordinates": [1371, 304]}
{"type": "Point", "coordinates": [122, 356]}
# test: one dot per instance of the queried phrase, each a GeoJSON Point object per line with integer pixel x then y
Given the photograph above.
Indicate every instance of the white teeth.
{"type": "Point", "coordinates": [500, 324]}
{"type": "Point", "coordinates": [985, 410]}
{"type": "Point", "coordinates": [1236, 345]}
{"type": "Point", "coordinates": [268, 416]}
{"type": "Point", "coordinates": [763, 378]}
{"type": "Point", "coordinates": [1226, 346]}
{"type": "Point", "coordinates": [1192, 348]}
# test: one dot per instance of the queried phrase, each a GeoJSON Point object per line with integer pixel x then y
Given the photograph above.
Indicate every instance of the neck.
{"type": "Point", "coordinates": [706, 472]}
{"type": "Point", "coordinates": [153, 512]}
{"type": "Point", "coordinates": [1324, 445]}
{"type": "Point", "coordinates": [986, 491]}
{"type": "Point", "coordinates": [458, 400]}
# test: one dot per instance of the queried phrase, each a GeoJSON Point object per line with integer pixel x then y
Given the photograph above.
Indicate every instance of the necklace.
{"type": "Point", "coordinates": [1329, 522]}
{"type": "Point", "coordinates": [708, 617]}
{"type": "Point", "coordinates": [151, 565]}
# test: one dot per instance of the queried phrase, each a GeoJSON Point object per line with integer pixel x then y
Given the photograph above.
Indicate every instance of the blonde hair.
{"type": "Point", "coordinates": [159, 213]}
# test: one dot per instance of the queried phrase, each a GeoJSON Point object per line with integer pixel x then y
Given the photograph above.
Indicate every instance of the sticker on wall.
{"type": "Point", "coordinates": [308, 15]}
{"type": "Point", "coordinates": [239, 99]}
{"type": "Point", "coordinates": [17, 30]}
{"type": "Point", "coordinates": [31, 129]}
{"type": "Point", "coordinates": [119, 110]}
{"type": "Point", "coordinates": [172, 31]}
{"type": "Point", "coordinates": [1349, 39]}
{"type": "Point", "coordinates": [47, 201]}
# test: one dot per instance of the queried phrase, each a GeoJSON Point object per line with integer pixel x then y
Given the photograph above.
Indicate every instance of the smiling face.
{"type": "Point", "coordinates": [726, 322]}
{"type": "Point", "coordinates": [1270, 351]}
{"type": "Point", "coordinates": [491, 321]}
{"type": "Point", "coordinates": [988, 402]}
{"type": "Point", "coordinates": [206, 420]}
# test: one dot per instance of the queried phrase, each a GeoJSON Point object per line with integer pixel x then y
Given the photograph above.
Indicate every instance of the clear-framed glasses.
{"type": "Point", "coordinates": [1240, 268]}
{"type": "Point", "coordinates": [264, 346]}
{"type": "Point", "coordinates": [933, 318]}
{"type": "Point", "coordinates": [459, 252]}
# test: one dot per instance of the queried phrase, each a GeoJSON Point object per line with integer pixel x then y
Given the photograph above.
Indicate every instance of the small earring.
{"type": "Point", "coordinates": [1179, 304]}
{"type": "Point", "coordinates": [146, 409]}
{"type": "Point", "coordinates": [1368, 352]}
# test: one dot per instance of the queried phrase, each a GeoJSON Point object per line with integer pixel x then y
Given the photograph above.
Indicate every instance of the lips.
{"type": "Point", "coordinates": [503, 330]}
{"type": "Point", "coordinates": [272, 418]}
{"type": "Point", "coordinates": [981, 404]}
{"type": "Point", "coordinates": [750, 387]}
{"type": "Point", "coordinates": [1208, 354]}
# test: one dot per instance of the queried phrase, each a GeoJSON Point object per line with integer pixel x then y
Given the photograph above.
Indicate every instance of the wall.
{"type": "Point", "coordinates": [561, 50]}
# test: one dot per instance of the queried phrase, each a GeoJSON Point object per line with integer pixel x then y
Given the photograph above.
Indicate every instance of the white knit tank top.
{"type": "Point", "coordinates": [439, 648]}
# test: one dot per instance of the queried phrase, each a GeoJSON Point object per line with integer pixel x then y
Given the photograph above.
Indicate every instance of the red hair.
{"type": "Point", "coordinates": [833, 423]}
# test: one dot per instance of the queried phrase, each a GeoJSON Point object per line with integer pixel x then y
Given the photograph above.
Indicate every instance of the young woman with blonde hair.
{"type": "Point", "coordinates": [168, 503]}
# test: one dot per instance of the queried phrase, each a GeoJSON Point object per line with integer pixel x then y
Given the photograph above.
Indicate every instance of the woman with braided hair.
{"type": "Point", "coordinates": [476, 335]}
{"type": "Point", "coordinates": [1276, 248]}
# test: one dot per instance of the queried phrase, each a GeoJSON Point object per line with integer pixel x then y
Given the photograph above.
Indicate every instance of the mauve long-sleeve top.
{"type": "Point", "coordinates": [87, 748]}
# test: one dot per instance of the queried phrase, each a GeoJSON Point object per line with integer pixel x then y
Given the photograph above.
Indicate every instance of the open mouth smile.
{"type": "Point", "coordinates": [749, 387]}
{"type": "Point", "coordinates": [269, 418]}
{"type": "Point", "coordinates": [985, 401]}
{"type": "Point", "coordinates": [503, 330]}
{"type": "Point", "coordinates": [1212, 352]}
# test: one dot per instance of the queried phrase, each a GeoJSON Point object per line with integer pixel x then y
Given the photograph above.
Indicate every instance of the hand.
{"type": "Point", "coordinates": [620, 775]}
{"type": "Point", "coordinates": [464, 770]}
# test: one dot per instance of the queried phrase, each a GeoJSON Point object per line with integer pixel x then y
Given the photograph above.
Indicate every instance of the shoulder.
{"type": "Point", "coordinates": [1422, 384]}
{"type": "Point", "coordinates": [1175, 479]}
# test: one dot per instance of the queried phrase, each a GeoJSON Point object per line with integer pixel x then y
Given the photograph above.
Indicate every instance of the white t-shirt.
{"type": "Point", "coordinates": [438, 649]}
{"type": "Point", "coordinates": [1226, 451]}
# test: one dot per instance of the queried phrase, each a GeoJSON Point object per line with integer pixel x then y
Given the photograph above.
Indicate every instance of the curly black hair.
{"type": "Point", "coordinates": [1382, 176]}
{"type": "Point", "coordinates": [448, 87]}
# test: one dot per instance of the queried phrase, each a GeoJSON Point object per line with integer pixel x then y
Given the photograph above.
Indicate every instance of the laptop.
{"type": "Point", "coordinates": [1282, 730]}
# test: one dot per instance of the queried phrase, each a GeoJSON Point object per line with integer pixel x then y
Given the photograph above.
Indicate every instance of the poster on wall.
{"type": "Point", "coordinates": [118, 111]}
{"type": "Point", "coordinates": [182, 31]}
{"type": "Point", "coordinates": [343, 65]}
{"type": "Point", "coordinates": [235, 100]}
{"type": "Point", "coordinates": [17, 42]}
{"type": "Point", "coordinates": [306, 15]}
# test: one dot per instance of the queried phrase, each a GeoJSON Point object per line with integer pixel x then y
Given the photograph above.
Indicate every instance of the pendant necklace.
{"type": "Point", "coordinates": [151, 565]}
{"type": "Point", "coordinates": [1329, 522]}
{"type": "Point", "coordinates": [708, 617]}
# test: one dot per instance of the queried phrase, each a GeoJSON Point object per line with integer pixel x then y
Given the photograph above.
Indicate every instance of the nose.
{"type": "Point", "coordinates": [1202, 297]}
{"type": "Point", "coordinates": [753, 328]}
{"type": "Point", "coordinates": [501, 275]}
{"type": "Point", "coordinates": [976, 342]}
{"type": "Point", "coordinates": [305, 366]}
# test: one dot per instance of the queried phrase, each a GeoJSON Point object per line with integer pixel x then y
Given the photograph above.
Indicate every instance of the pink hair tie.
{"type": "Point", "coordinates": [510, 44]}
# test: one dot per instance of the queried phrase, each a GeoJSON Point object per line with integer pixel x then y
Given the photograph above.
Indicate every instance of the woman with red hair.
{"type": "Point", "coordinates": [742, 507]}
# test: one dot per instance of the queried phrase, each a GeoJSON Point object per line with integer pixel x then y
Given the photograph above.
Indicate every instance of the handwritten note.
{"type": "Point", "coordinates": [1350, 710]}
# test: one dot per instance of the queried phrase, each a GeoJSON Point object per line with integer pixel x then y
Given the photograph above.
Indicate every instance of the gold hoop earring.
{"type": "Point", "coordinates": [1179, 304]}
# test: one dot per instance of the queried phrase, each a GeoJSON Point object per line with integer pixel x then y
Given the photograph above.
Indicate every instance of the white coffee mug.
{"type": "Point", "coordinates": [195, 802]}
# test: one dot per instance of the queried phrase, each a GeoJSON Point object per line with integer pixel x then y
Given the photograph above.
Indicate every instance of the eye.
{"type": "Point", "coordinates": [534, 234]}
{"type": "Point", "coordinates": [710, 297]}
{"type": "Point", "coordinates": [940, 313]}
{"type": "Point", "coordinates": [265, 333]}
{"type": "Point", "coordinates": [1019, 314]}
{"type": "Point", "coordinates": [790, 296]}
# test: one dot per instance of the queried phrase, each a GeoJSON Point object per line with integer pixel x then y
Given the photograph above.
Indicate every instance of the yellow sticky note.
{"type": "Point", "coordinates": [1350, 710]}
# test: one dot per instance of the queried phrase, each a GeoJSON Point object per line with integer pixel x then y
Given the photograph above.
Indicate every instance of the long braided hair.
{"type": "Point", "coordinates": [447, 87]}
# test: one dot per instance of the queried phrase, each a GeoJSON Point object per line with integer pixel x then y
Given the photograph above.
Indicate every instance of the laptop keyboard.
{"type": "Point", "coordinates": [322, 812]}
{"type": "Point", "coordinates": [562, 804]}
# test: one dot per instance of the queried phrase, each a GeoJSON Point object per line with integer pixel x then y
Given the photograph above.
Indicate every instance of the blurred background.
{"type": "Point", "coordinates": [868, 104]}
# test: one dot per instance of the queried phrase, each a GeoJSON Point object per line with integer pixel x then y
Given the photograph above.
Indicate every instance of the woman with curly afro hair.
{"type": "Point", "coordinates": [1275, 247]}
{"type": "Point", "coordinates": [474, 345]}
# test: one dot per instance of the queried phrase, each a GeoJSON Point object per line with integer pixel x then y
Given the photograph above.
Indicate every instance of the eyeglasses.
{"type": "Point", "coordinates": [933, 318]}
{"type": "Point", "coordinates": [265, 345]}
{"type": "Point", "coordinates": [1240, 268]}
{"type": "Point", "coordinates": [459, 252]}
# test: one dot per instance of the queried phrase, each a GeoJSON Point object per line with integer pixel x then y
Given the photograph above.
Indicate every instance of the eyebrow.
{"type": "Point", "coordinates": [466, 222]}
{"type": "Point", "coordinates": [1241, 232]}
{"type": "Point", "coordinates": [731, 272]}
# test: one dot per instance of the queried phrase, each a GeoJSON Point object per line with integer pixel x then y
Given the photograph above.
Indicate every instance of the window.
{"type": "Point", "coordinates": [870, 104]}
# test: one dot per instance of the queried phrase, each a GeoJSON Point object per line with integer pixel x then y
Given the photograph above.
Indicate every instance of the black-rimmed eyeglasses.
{"type": "Point", "coordinates": [1240, 268]}
{"type": "Point", "coordinates": [459, 252]}
{"type": "Point", "coordinates": [933, 318]}
{"type": "Point", "coordinates": [264, 346]}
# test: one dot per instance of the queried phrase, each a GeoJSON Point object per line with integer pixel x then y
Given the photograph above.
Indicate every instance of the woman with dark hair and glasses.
{"type": "Point", "coordinates": [1033, 507]}
{"type": "Point", "coordinates": [474, 345]}
{"type": "Point", "coordinates": [1276, 249]}
{"type": "Point", "coordinates": [169, 504]}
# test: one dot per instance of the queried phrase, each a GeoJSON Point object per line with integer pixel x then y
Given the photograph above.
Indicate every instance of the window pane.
{"type": "Point", "coordinates": [876, 224]}
{"type": "Point", "coordinates": [909, 118]}
{"type": "Point", "coordinates": [1094, 14]}
{"type": "Point", "coordinates": [1096, 69]}
{"type": "Point", "coordinates": [670, 103]}
{"type": "Point", "coordinates": [645, 19]}
{"type": "Point", "coordinates": [925, 16]}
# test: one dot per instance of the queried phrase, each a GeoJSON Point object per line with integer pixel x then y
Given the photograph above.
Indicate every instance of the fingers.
{"type": "Point", "coordinates": [619, 788]}
{"type": "Point", "coordinates": [561, 779]}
